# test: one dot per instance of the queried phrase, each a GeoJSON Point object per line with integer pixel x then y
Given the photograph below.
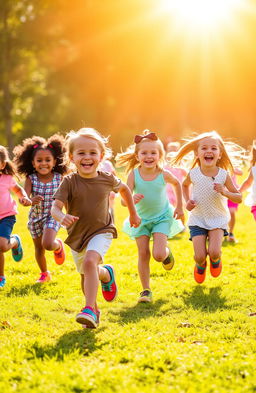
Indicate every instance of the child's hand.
{"type": "Point", "coordinates": [36, 199]}
{"type": "Point", "coordinates": [25, 201]}
{"type": "Point", "coordinates": [137, 198]}
{"type": "Point", "coordinates": [135, 220]}
{"type": "Point", "coordinates": [178, 213]}
{"type": "Point", "coordinates": [190, 205]}
{"type": "Point", "coordinates": [68, 220]}
{"type": "Point", "coordinates": [219, 188]}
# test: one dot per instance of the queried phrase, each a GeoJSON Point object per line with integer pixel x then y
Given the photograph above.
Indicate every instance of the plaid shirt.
{"type": "Point", "coordinates": [46, 190]}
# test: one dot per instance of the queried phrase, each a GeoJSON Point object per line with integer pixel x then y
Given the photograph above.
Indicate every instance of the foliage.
{"type": "Point", "coordinates": [191, 339]}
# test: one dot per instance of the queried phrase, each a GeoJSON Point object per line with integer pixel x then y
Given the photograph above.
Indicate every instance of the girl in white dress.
{"type": "Point", "coordinates": [251, 181]}
{"type": "Point", "coordinates": [207, 201]}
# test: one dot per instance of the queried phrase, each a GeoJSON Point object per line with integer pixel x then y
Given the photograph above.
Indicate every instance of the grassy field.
{"type": "Point", "coordinates": [190, 339]}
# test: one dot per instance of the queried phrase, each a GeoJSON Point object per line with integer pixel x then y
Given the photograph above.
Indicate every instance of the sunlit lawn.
{"type": "Point", "coordinates": [191, 339]}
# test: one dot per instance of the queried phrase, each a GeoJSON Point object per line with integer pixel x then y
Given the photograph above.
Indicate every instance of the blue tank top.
{"type": "Point", "coordinates": [155, 201]}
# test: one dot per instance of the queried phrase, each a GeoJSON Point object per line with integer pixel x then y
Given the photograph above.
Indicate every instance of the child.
{"type": "Point", "coordinates": [85, 195]}
{"type": "Point", "coordinates": [41, 161]}
{"type": "Point", "coordinates": [147, 180]}
{"type": "Point", "coordinates": [251, 180]}
{"type": "Point", "coordinates": [209, 215]}
{"type": "Point", "coordinates": [8, 210]}
{"type": "Point", "coordinates": [233, 207]}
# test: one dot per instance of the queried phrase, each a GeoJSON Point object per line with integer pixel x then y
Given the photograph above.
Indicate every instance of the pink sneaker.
{"type": "Point", "coordinates": [44, 277]}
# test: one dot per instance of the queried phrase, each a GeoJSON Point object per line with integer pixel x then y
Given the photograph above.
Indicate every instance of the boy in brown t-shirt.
{"type": "Point", "coordinates": [85, 194]}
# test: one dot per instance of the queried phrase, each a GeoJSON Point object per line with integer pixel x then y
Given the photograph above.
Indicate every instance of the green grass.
{"type": "Point", "coordinates": [191, 339]}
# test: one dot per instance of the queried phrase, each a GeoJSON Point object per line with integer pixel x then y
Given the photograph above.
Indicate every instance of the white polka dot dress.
{"type": "Point", "coordinates": [211, 209]}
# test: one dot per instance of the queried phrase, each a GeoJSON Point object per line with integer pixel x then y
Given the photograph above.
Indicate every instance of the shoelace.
{"type": "Point", "coordinates": [107, 286]}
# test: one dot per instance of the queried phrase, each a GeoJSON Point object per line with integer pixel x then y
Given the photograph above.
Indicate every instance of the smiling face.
{"type": "Point", "coordinates": [148, 154]}
{"type": "Point", "coordinates": [43, 162]}
{"type": "Point", "coordinates": [86, 156]}
{"type": "Point", "coordinates": [208, 152]}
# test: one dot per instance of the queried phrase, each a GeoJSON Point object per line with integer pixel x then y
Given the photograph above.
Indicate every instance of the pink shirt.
{"type": "Point", "coordinates": [8, 206]}
{"type": "Point", "coordinates": [180, 173]}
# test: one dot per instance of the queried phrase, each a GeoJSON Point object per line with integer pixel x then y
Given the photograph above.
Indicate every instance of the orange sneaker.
{"type": "Point", "coordinates": [59, 255]}
{"type": "Point", "coordinates": [200, 273]}
{"type": "Point", "coordinates": [215, 267]}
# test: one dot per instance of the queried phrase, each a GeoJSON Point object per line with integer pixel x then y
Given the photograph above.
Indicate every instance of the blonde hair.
{"type": "Point", "coordinates": [231, 153]}
{"type": "Point", "coordinates": [129, 159]}
{"type": "Point", "coordinates": [253, 153]}
{"type": "Point", "coordinates": [91, 133]}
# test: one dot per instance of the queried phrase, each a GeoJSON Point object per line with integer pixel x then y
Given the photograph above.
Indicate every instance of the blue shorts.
{"type": "Point", "coordinates": [197, 231]}
{"type": "Point", "coordinates": [6, 226]}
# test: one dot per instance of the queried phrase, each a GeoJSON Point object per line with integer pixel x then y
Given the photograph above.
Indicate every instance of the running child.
{"type": "Point", "coordinates": [147, 181]}
{"type": "Point", "coordinates": [85, 195]}
{"type": "Point", "coordinates": [207, 203]}
{"type": "Point", "coordinates": [251, 181]}
{"type": "Point", "coordinates": [8, 211]}
{"type": "Point", "coordinates": [41, 161]}
{"type": "Point", "coordinates": [233, 207]}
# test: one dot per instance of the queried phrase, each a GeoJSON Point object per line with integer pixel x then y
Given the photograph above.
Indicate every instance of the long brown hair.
{"type": "Point", "coordinates": [231, 153]}
{"type": "Point", "coordinates": [9, 168]}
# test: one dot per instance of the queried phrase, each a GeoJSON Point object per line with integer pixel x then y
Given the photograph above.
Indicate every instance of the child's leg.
{"type": "Point", "coordinates": [215, 243]}
{"type": "Point", "coordinates": [92, 274]}
{"type": "Point", "coordinates": [1, 263]}
{"type": "Point", "coordinates": [40, 254]}
{"type": "Point", "coordinates": [200, 251]}
{"type": "Point", "coordinates": [160, 250]}
{"type": "Point", "coordinates": [7, 244]}
{"type": "Point", "coordinates": [143, 260]}
{"type": "Point", "coordinates": [48, 240]}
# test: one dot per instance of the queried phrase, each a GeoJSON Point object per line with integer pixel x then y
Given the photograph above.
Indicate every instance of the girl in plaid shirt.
{"type": "Point", "coordinates": [41, 161]}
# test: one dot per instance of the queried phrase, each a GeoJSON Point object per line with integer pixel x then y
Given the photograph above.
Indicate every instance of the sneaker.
{"type": "Point", "coordinates": [145, 296]}
{"type": "Point", "coordinates": [215, 267]}
{"type": "Point", "coordinates": [97, 320]}
{"type": "Point", "coordinates": [200, 273]}
{"type": "Point", "coordinates": [2, 281]}
{"type": "Point", "coordinates": [168, 262]}
{"type": "Point", "coordinates": [231, 238]}
{"type": "Point", "coordinates": [87, 317]}
{"type": "Point", "coordinates": [59, 255]}
{"type": "Point", "coordinates": [17, 253]}
{"type": "Point", "coordinates": [109, 289]}
{"type": "Point", "coordinates": [44, 277]}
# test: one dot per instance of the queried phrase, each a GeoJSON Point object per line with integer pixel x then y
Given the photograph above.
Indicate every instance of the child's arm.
{"type": "Point", "coordinates": [64, 219]}
{"type": "Point", "coordinates": [127, 199]}
{"type": "Point", "coordinates": [130, 184]}
{"type": "Point", "coordinates": [170, 178]}
{"type": "Point", "coordinates": [28, 188]}
{"type": "Point", "coordinates": [190, 204]}
{"type": "Point", "coordinates": [229, 190]}
{"type": "Point", "coordinates": [21, 194]}
{"type": "Point", "coordinates": [247, 182]}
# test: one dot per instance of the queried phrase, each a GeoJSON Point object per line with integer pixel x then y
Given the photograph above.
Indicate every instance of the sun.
{"type": "Point", "coordinates": [201, 15]}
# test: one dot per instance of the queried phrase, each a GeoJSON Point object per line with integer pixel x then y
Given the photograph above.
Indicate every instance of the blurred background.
{"type": "Point", "coordinates": [120, 66]}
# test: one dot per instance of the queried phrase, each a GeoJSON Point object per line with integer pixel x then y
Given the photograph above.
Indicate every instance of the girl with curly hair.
{"type": "Point", "coordinates": [41, 162]}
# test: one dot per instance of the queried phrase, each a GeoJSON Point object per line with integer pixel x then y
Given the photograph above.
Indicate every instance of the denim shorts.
{"type": "Point", "coordinates": [197, 231]}
{"type": "Point", "coordinates": [6, 226]}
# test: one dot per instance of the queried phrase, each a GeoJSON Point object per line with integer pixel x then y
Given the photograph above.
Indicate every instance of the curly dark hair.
{"type": "Point", "coordinates": [25, 153]}
{"type": "Point", "coordinates": [9, 168]}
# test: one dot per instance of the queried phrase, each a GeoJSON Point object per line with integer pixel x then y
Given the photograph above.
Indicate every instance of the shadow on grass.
{"type": "Point", "coordinates": [37, 288]}
{"type": "Point", "coordinates": [139, 311]}
{"type": "Point", "coordinates": [81, 342]}
{"type": "Point", "coordinates": [206, 300]}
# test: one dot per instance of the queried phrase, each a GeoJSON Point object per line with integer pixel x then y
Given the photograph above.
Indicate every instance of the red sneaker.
{"type": "Point", "coordinates": [200, 273]}
{"type": "Point", "coordinates": [109, 289]}
{"type": "Point", "coordinates": [215, 267]}
{"type": "Point", "coordinates": [59, 255]}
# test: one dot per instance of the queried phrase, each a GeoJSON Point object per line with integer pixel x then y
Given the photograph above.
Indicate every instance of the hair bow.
{"type": "Point", "coordinates": [35, 146]}
{"type": "Point", "coordinates": [151, 135]}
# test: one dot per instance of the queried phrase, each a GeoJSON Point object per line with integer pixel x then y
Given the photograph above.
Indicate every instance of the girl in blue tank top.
{"type": "Point", "coordinates": [147, 181]}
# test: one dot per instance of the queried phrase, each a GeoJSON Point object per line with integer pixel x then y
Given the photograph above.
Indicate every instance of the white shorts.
{"type": "Point", "coordinates": [99, 243]}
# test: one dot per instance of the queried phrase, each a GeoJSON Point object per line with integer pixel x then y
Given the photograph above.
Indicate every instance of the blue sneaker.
{"type": "Point", "coordinates": [87, 317]}
{"type": "Point", "coordinates": [17, 253]}
{"type": "Point", "coordinates": [2, 281]}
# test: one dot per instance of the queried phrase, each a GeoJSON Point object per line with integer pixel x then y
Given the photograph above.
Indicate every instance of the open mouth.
{"type": "Point", "coordinates": [87, 165]}
{"type": "Point", "coordinates": [208, 158]}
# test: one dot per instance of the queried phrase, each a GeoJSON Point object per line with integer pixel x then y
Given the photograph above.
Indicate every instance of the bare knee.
{"type": "Point", "coordinates": [200, 258]}
{"type": "Point", "coordinates": [159, 256]}
{"type": "Point", "coordinates": [214, 255]}
{"type": "Point", "coordinates": [47, 244]}
{"type": "Point", "coordinates": [144, 255]}
{"type": "Point", "coordinates": [90, 264]}
{"type": "Point", "coordinates": [4, 245]}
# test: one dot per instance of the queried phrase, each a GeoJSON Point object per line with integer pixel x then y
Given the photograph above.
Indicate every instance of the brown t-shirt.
{"type": "Point", "coordinates": [88, 199]}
